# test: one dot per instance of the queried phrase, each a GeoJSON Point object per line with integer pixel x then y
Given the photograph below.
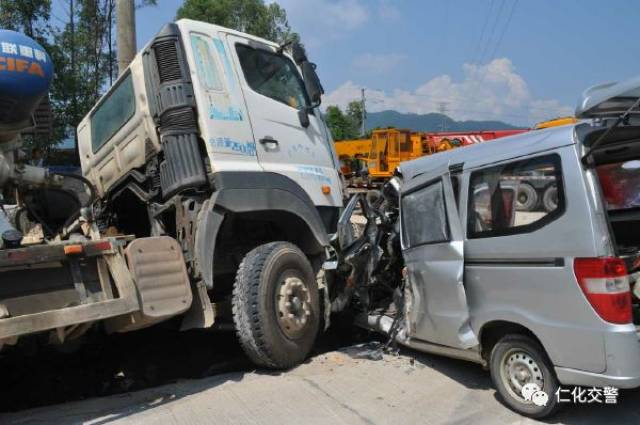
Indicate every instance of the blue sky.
{"type": "Point", "coordinates": [515, 60]}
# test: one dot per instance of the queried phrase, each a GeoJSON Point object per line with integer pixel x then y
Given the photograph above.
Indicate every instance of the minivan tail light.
{"type": "Point", "coordinates": [605, 284]}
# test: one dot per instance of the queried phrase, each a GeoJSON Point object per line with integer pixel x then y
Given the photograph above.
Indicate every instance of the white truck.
{"type": "Point", "coordinates": [216, 179]}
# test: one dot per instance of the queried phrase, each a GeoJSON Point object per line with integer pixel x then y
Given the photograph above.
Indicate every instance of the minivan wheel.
{"type": "Point", "coordinates": [526, 198]}
{"type": "Point", "coordinates": [550, 198]}
{"type": "Point", "coordinates": [276, 305]}
{"type": "Point", "coordinates": [518, 360]}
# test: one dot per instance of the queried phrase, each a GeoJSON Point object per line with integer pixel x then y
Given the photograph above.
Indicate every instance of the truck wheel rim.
{"type": "Point", "coordinates": [526, 197]}
{"type": "Point", "coordinates": [518, 369]}
{"type": "Point", "coordinates": [294, 306]}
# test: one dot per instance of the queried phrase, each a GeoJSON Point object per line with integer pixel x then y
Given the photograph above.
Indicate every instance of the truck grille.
{"type": "Point", "coordinates": [167, 61]}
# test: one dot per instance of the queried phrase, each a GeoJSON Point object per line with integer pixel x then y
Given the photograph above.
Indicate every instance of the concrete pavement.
{"type": "Point", "coordinates": [337, 387]}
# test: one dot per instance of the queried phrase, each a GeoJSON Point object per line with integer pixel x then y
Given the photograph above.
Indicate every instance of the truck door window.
{"type": "Point", "coordinates": [493, 192]}
{"type": "Point", "coordinates": [272, 75]}
{"type": "Point", "coordinates": [424, 217]}
{"type": "Point", "coordinates": [206, 65]}
{"type": "Point", "coordinates": [113, 112]}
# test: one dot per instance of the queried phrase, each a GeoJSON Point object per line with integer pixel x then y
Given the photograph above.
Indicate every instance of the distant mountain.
{"type": "Point", "coordinates": [430, 122]}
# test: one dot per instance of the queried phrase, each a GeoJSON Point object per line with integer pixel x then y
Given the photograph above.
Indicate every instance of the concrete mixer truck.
{"type": "Point", "coordinates": [71, 277]}
{"type": "Point", "coordinates": [210, 185]}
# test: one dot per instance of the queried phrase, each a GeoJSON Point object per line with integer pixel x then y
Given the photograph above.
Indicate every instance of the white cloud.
{"type": "Point", "coordinates": [491, 91]}
{"type": "Point", "coordinates": [378, 63]}
{"type": "Point", "coordinates": [319, 21]}
{"type": "Point", "coordinates": [388, 11]}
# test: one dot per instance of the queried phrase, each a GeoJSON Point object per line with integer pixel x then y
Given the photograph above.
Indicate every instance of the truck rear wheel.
{"type": "Point", "coordinates": [276, 305]}
{"type": "Point", "coordinates": [550, 198]}
{"type": "Point", "coordinates": [527, 197]}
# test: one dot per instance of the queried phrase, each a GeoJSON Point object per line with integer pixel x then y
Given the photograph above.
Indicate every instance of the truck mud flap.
{"type": "Point", "coordinates": [160, 274]}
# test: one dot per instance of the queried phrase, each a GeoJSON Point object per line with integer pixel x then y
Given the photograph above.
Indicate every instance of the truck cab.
{"type": "Point", "coordinates": [213, 137]}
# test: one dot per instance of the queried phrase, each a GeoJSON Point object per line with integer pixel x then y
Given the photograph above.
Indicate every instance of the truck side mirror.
{"type": "Point", "coordinates": [303, 115]}
{"type": "Point", "coordinates": [312, 83]}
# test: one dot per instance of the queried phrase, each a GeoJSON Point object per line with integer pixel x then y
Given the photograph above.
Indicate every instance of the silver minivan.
{"type": "Point", "coordinates": [448, 264]}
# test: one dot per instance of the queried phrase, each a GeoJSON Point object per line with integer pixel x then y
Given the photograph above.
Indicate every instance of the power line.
{"type": "Point", "coordinates": [493, 29]}
{"type": "Point", "coordinates": [484, 27]}
{"type": "Point", "coordinates": [445, 30]}
{"type": "Point", "coordinates": [504, 30]}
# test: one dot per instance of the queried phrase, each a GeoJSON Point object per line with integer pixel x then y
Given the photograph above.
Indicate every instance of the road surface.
{"type": "Point", "coordinates": [348, 386]}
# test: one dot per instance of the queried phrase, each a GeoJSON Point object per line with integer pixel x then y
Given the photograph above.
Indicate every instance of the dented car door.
{"type": "Point", "coordinates": [433, 250]}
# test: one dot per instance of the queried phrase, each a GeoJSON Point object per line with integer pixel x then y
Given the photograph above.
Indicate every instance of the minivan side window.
{"type": "Point", "coordinates": [424, 216]}
{"type": "Point", "coordinates": [516, 197]}
{"type": "Point", "coordinates": [272, 75]}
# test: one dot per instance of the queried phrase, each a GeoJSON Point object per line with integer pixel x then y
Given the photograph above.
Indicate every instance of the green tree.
{"type": "Point", "coordinates": [30, 17]}
{"type": "Point", "coordinates": [82, 52]}
{"type": "Point", "coordinates": [251, 16]}
{"type": "Point", "coordinates": [81, 43]}
{"type": "Point", "coordinates": [340, 124]}
{"type": "Point", "coordinates": [354, 113]}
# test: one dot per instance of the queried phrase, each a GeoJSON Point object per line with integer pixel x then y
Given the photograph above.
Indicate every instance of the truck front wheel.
{"type": "Point", "coordinates": [276, 305]}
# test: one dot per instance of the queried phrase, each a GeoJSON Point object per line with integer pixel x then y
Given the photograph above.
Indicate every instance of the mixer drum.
{"type": "Point", "coordinates": [25, 75]}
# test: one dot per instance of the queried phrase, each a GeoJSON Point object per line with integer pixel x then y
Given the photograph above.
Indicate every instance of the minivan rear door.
{"type": "Point", "coordinates": [609, 100]}
{"type": "Point", "coordinates": [433, 250]}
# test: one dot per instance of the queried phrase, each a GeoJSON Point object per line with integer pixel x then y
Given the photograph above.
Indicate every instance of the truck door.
{"type": "Point", "coordinates": [274, 93]}
{"type": "Point", "coordinates": [433, 250]}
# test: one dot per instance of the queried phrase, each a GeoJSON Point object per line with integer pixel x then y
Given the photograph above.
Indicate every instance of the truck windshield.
{"type": "Point", "coordinates": [272, 75]}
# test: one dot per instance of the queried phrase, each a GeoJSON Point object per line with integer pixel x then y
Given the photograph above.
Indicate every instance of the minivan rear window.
{"type": "Point", "coordinates": [515, 197]}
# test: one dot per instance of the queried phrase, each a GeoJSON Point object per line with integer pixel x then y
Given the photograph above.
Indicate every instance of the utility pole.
{"type": "Point", "coordinates": [363, 108]}
{"type": "Point", "coordinates": [126, 33]}
{"type": "Point", "coordinates": [442, 108]}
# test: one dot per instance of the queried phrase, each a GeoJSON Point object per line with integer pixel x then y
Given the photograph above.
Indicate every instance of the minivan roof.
{"type": "Point", "coordinates": [493, 151]}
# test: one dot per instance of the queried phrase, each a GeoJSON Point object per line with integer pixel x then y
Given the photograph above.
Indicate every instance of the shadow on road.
{"type": "Point", "coordinates": [39, 375]}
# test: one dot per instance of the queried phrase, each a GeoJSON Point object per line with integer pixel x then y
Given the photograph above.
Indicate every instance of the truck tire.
{"type": "Point", "coordinates": [550, 198]}
{"type": "Point", "coordinates": [276, 305]}
{"type": "Point", "coordinates": [527, 197]}
{"type": "Point", "coordinates": [517, 360]}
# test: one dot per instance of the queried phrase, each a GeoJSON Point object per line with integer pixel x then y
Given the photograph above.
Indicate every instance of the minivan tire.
{"type": "Point", "coordinates": [275, 305]}
{"type": "Point", "coordinates": [525, 355]}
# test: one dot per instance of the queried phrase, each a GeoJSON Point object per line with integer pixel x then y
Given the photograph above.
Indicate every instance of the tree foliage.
{"type": "Point", "coordinates": [355, 113]}
{"type": "Point", "coordinates": [81, 42]}
{"type": "Point", "coordinates": [84, 58]}
{"type": "Point", "coordinates": [345, 125]}
{"type": "Point", "coordinates": [30, 17]}
{"type": "Point", "coordinates": [251, 16]}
